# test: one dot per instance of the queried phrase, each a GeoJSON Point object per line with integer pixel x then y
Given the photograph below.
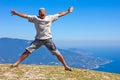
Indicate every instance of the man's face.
{"type": "Point", "coordinates": [42, 13]}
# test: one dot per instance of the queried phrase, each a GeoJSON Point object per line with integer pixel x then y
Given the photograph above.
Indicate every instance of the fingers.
{"type": "Point", "coordinates": [13, 12]}
{"type": "Point", "coordinates": [70, 9]}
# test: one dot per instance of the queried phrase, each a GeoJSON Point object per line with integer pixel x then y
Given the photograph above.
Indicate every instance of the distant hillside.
{"type": "Point", "coordinates": [40, 72]}
{"type": "Point", "coordinates": [11, 49]}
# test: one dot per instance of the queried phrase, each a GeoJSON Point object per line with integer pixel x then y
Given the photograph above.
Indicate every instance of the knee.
{"type": "Point", "coordinates": [56, 53]}
{"type": "Point", "coordinates": [27, 52]}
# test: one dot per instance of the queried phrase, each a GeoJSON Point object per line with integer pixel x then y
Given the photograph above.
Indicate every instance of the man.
{"type": "Point", "coordinates": [43, 34]}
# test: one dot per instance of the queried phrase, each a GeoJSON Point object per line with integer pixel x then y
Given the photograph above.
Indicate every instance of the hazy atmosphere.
{"type": "Point", "coordinates": [92, 21]}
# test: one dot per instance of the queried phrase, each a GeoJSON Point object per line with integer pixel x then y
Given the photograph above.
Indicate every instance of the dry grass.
{"type": "Point", "coordinates": [38, 72]}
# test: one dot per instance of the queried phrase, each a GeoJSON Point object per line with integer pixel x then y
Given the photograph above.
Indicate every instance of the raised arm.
{"type": "Point", "coordinates": [66, 12]}
{"type": "Point", "coordinates": [13, 12]}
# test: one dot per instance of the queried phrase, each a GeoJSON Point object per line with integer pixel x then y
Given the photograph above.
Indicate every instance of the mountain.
{"type": "Point", "coordinates": [43, 72]}
{"type": "Point", "coordinates": [11, 49]}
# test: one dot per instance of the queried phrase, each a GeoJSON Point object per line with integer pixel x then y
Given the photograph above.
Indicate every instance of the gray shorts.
{"type": "Point", "coordinates": [48, 43]}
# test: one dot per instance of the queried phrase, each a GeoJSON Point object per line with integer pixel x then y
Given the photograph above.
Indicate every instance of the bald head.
{"type": "Point", "coordinates": [42, 13]}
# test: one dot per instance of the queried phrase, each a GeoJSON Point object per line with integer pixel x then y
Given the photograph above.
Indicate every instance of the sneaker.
{"type": "Point", "coordinates": [68, 69]}
{"type": "Point", "coordinates": [13, 66]}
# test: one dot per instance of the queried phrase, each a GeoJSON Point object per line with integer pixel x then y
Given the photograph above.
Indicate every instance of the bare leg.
{"type": "Point", "coordinates": [51, 47]}
{"type": "Point", "coordinates": [23, 56]}
{"type": "Point", "coordinates": [61, 59]}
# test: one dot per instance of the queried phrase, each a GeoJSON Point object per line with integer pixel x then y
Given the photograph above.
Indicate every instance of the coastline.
{"type": "Point", "coordinates": [103, 64]}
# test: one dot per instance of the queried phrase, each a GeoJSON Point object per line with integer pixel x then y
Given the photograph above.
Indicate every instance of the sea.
{"type": "Point", "coordinates": [109, 52]}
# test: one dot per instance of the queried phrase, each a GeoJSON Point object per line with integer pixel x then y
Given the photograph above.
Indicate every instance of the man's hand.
{"type": "Point", "coordinates": [13, 12]}
{"type": "Point", "coordinates": [66, 12]}
{"type": "Point", "coordinates": [70, 9]}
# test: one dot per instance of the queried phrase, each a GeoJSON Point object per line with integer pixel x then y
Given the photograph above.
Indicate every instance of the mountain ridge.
{"type": "Point", "coordinates": [11, 49]}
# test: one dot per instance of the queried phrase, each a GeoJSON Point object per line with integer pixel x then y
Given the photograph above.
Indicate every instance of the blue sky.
{"type": "Point", "coordinates": [91, 20]}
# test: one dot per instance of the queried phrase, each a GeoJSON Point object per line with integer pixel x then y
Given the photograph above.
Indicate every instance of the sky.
{"type": "Point", "coordinates": [92, 21]}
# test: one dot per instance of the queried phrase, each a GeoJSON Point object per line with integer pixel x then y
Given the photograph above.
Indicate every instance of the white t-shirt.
{"type": "Point", "coordinates": [43, 26]}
